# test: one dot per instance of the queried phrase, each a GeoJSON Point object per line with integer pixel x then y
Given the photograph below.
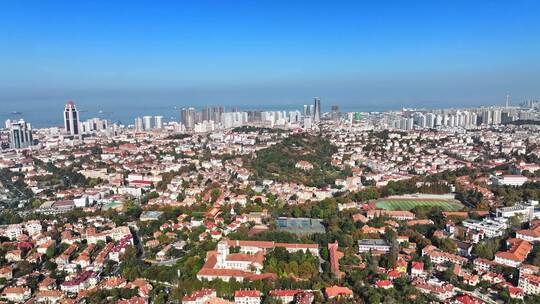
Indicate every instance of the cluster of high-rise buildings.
{"type": "Point", "coordinates": [213, 118]}
{"type": "Point", "coordinates": [74, 128]}
{"type": "Point", "coordinates": [147, 123]}
{"type": "Point", "coordinates": [20, 134]}
{"type": "Point", "coordinates": [209, 118]}
{"type": "Point", "coordinates": [313, 111]}
{"type": "Point", "coordinates": [407, 120]}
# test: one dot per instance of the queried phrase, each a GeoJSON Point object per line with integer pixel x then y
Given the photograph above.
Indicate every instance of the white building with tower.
{"type": "Point", "coordinates": [71, 119]}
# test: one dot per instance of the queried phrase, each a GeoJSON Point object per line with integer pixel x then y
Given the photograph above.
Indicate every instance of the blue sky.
{"type": "Point", "coordinates": [244, 52]}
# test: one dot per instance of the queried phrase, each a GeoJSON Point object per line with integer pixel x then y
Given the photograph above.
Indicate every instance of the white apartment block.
{"type": "Point", "coordinates": [526, 211]}
{"type": "Point", "coordinates": [529, 283]}
{"type": "Point", "coordinates": [510, 180]}
{"type": "Point", "coordinates": [490, 227]}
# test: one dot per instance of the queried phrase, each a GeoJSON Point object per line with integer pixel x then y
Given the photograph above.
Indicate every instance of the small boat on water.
{"type": "Point", "coordinates": [16, 113]}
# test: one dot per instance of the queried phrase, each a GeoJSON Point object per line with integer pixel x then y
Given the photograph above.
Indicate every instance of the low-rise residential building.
{"type": "Point", "coordinates": [530, 283]}
{"type": "Point", "coordinates": [490, 227]}
{"type": "Point", "coordinates": [247, 297]}
{"type": "Point", "coordinates": [373, 245]}
{"type": "Point", "coordinates": [516, 254]}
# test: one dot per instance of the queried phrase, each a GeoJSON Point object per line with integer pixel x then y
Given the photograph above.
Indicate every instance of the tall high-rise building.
{"type": "Point", "coordinates": [71, 119]}
{"type": "Point", "coordinates": [147, 122]}
{"type": "Point", "coordinates": [139, 124]}
{"type": "Point", "coordinates": [317, 112]}
{"type": "Point", "coordinates": [335, 113]}
{"type": "Point", "coordinates": [158, 122]}
{"type": "Point", "coordinates": [93, 125]}
{"type": "Point", "coordinates": [20, 135]}
{"type": "Point", "coordinates": [430, 120]}
{"type": "Point", "coordinates": [487, 118]}
{"type": "Point", "coordinates": [307, 111]}
{"type": "Point", "coordinates": [294, 116]}
{"type": "Point", "coordinates": [496, 120]}
{"type": "Point", "coordinates": [206, 116]}
{"type": "Point", "coordinates": [187, 118]}
{"type": "Point", "coordinates": [216, 113]}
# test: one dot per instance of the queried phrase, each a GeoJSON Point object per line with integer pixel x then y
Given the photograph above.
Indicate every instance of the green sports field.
{"type": "Point", "coordinates": [408, 204]}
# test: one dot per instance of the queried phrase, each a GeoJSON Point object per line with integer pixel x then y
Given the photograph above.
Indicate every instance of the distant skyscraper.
{"type": "Point", "coordinates": [307, 111]}
{"type": "Point", "coordinates": [216, 113]}
{"type": "Point", "coordinates": [20, 135]}
{"type": "Point", "coordinates": [497, 119]}
{"type": "Point", "coordinates": [187, 117]}
{"type": "Point", "coordinates": [147, 122]}
{"type": "Point", "coordinates": [317, 112]}
{"type": "Point", "coordinates": [335, 113]}
{"type": "Point", "coordinates": [508, 98]}
{"type": "Point", "coordinates": [138, 124]}
{"type": "Point", "coordinates": [206, 115]}
{"type": "Point", "coordinates": [158, 122]}
{"type": "Point", "coordinates": [430, 120]}
{"type": "Point", "coordinates": [93, 125]}
{"type": "Point", "coordinates": [487, 117]}
{"type": "Point", "coordinates": [71, 119]}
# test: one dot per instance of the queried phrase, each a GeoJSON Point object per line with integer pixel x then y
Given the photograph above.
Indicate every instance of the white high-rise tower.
{"type": "Point", "coordinates": [158, 122]}
{"type": "Point", "coordinates": [71, 119]}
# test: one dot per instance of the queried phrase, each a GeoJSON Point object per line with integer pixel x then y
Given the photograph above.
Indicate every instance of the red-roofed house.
{"type": "Point", "coordinates": [417, 270]}
{"type": "Point", "coordinates": [199, 297]}
{"type": "Point", "coordinates": [285, 296]}
{"type": "Point", "coordinates": [247, 297]}
{"type": "Point", "coordinates": [17, 294]}
{"type": "Point", "coordinates": [384, 284]}
{"type": "Point", "coordinates": [466, 299]}
{"type": "Point", "coordinates": [338, 292]}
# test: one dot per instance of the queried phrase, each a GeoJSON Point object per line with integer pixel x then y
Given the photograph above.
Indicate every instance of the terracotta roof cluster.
{"type": "Point", "coordinates": [519, 249]}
